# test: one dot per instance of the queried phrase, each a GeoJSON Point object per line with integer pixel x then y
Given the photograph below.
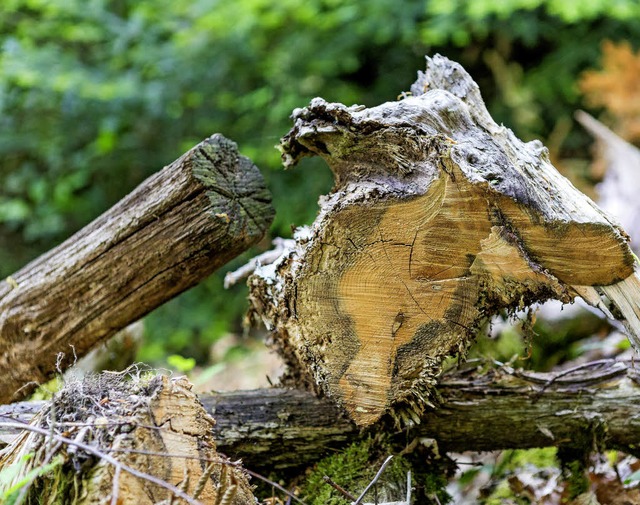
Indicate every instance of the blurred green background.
{"type": "Point", "coordinates": [95, 95]}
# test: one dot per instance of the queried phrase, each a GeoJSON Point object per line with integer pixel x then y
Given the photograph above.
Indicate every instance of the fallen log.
{"type": "Point", "coordinates": [477, 411]}
{"type": "Point", "coordinates": [439, 218]}
{"type": "Point", "coordinates": [280, 428]}
{"type": "Point", "coordinates": [176, 228]}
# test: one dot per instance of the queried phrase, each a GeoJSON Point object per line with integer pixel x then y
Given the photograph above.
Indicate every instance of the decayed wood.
{"type": "Point", "coordinates": [176, 228]}
{"type": "Point", "coordinates": [500, 409]}
{"type": "Point", "coordinates": [439, 218]}
{"type": "Point", "coordinates": [120, 439]}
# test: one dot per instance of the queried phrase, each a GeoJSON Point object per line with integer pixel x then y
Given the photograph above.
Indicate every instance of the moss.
{"type": "Point", "coordinates": [542, 458]}
{"type": "Point", "coordinates": [354, 468]}
{"type": "Point", "coordinates": [350, 469]}
{"type": "Point", "coordinates": [435, 484]}
{"type": "Point", "coordinates": [576, 479]}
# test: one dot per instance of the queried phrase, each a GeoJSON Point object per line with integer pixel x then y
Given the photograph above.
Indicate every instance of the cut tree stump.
{"type": "Point", "coordinates": [176, 228]}
{"type": "Point", "coordinates": [438, 219]}
{"type": "Point", "coordinates": [124, 438]}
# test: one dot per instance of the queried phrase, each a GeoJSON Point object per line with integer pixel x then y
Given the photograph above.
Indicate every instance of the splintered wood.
{"type": "Point", "coordinates": [439, 218]}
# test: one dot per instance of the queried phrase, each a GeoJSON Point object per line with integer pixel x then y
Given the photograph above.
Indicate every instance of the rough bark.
{"type": "Point", "coordinates": [176, 228]}
{"type": "Point", "coordinates": [500, 409]}
{"type": "Point", "coordinates": [119, 439]}
{"type": "Point", "coordinates": [438, 219]}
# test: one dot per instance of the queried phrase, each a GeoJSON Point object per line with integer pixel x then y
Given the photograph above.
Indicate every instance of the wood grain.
{"type": "Point", "coordinates": [439, 218]}
{"type": "Point", "coordinates": [176, 228]}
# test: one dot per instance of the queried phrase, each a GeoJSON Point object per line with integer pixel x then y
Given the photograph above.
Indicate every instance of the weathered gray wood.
{"type": "Point", "coordinates": [176, 228]}
{"type": "Point", "coordinates": [277, 428]}
{"type": "Point", "coordinates": [438, 219]}
{"type": "Point", "coordinates": [501, 409]}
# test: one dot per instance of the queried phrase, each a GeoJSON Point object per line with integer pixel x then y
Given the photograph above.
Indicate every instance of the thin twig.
{"type": "Point", "coordinates": [339, 488]}
{"type": "Point", "coordinates": [590, 364]}
{"type": "Point", "coordinates": [375, 479]}
{"type": "Point", "coordinates": [105, 457]}
{"type": "Point", "coordinates": [115, 489]}
{"type": "Point", "coordinates": [21, 425]}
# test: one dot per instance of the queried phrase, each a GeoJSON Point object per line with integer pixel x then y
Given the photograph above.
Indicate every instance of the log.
{"type": "Point", "coordinates": [176, 228]}
{"type": "Point", "coordinates": [439, 218]}
{"type": "Point", "coordinates": [477, 411]}
{"type": "Point", "coordinates": [283, 429]}
{"type": "Point", "coordinates": [124, 438]}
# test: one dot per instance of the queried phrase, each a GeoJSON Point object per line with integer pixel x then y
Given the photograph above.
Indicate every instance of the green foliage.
{"type": "Point", "coordinates": [96, 95]}
{"type": "Point", "coordinates": [17, 478]}
{"type": "Point", "coordinates": [180, 363]}
{"type": "Point", "coordinates": [513, 459]}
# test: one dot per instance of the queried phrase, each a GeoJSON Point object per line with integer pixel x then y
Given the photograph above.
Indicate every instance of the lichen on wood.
{"type": "Point", "coordinates": [438, 219]}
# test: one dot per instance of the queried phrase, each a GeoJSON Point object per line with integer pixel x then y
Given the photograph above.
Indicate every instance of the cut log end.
{"type": "Point", "coordinates": [235, 187]}
{"type": "Point", "coordinates": [439, 218]}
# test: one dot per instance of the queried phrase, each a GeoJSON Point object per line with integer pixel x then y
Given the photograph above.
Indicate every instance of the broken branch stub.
{"type": "Point", "coordinates": [438, 218]}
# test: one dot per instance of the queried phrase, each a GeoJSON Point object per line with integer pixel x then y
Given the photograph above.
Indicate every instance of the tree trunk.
{"type": "Point", "coordinates": [176, 228]}
{"type": "Point", "coordinates": [438, 219]}
{"type": "Point", "coordinates": [504, 408]}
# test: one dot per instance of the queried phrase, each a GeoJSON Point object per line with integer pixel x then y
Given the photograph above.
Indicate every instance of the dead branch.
{"type": "Point", "coordinates": [176, 228]}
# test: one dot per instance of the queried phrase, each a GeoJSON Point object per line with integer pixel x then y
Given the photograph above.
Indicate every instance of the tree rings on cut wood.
{"type": "Point", "coordinates": [438, 219]}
